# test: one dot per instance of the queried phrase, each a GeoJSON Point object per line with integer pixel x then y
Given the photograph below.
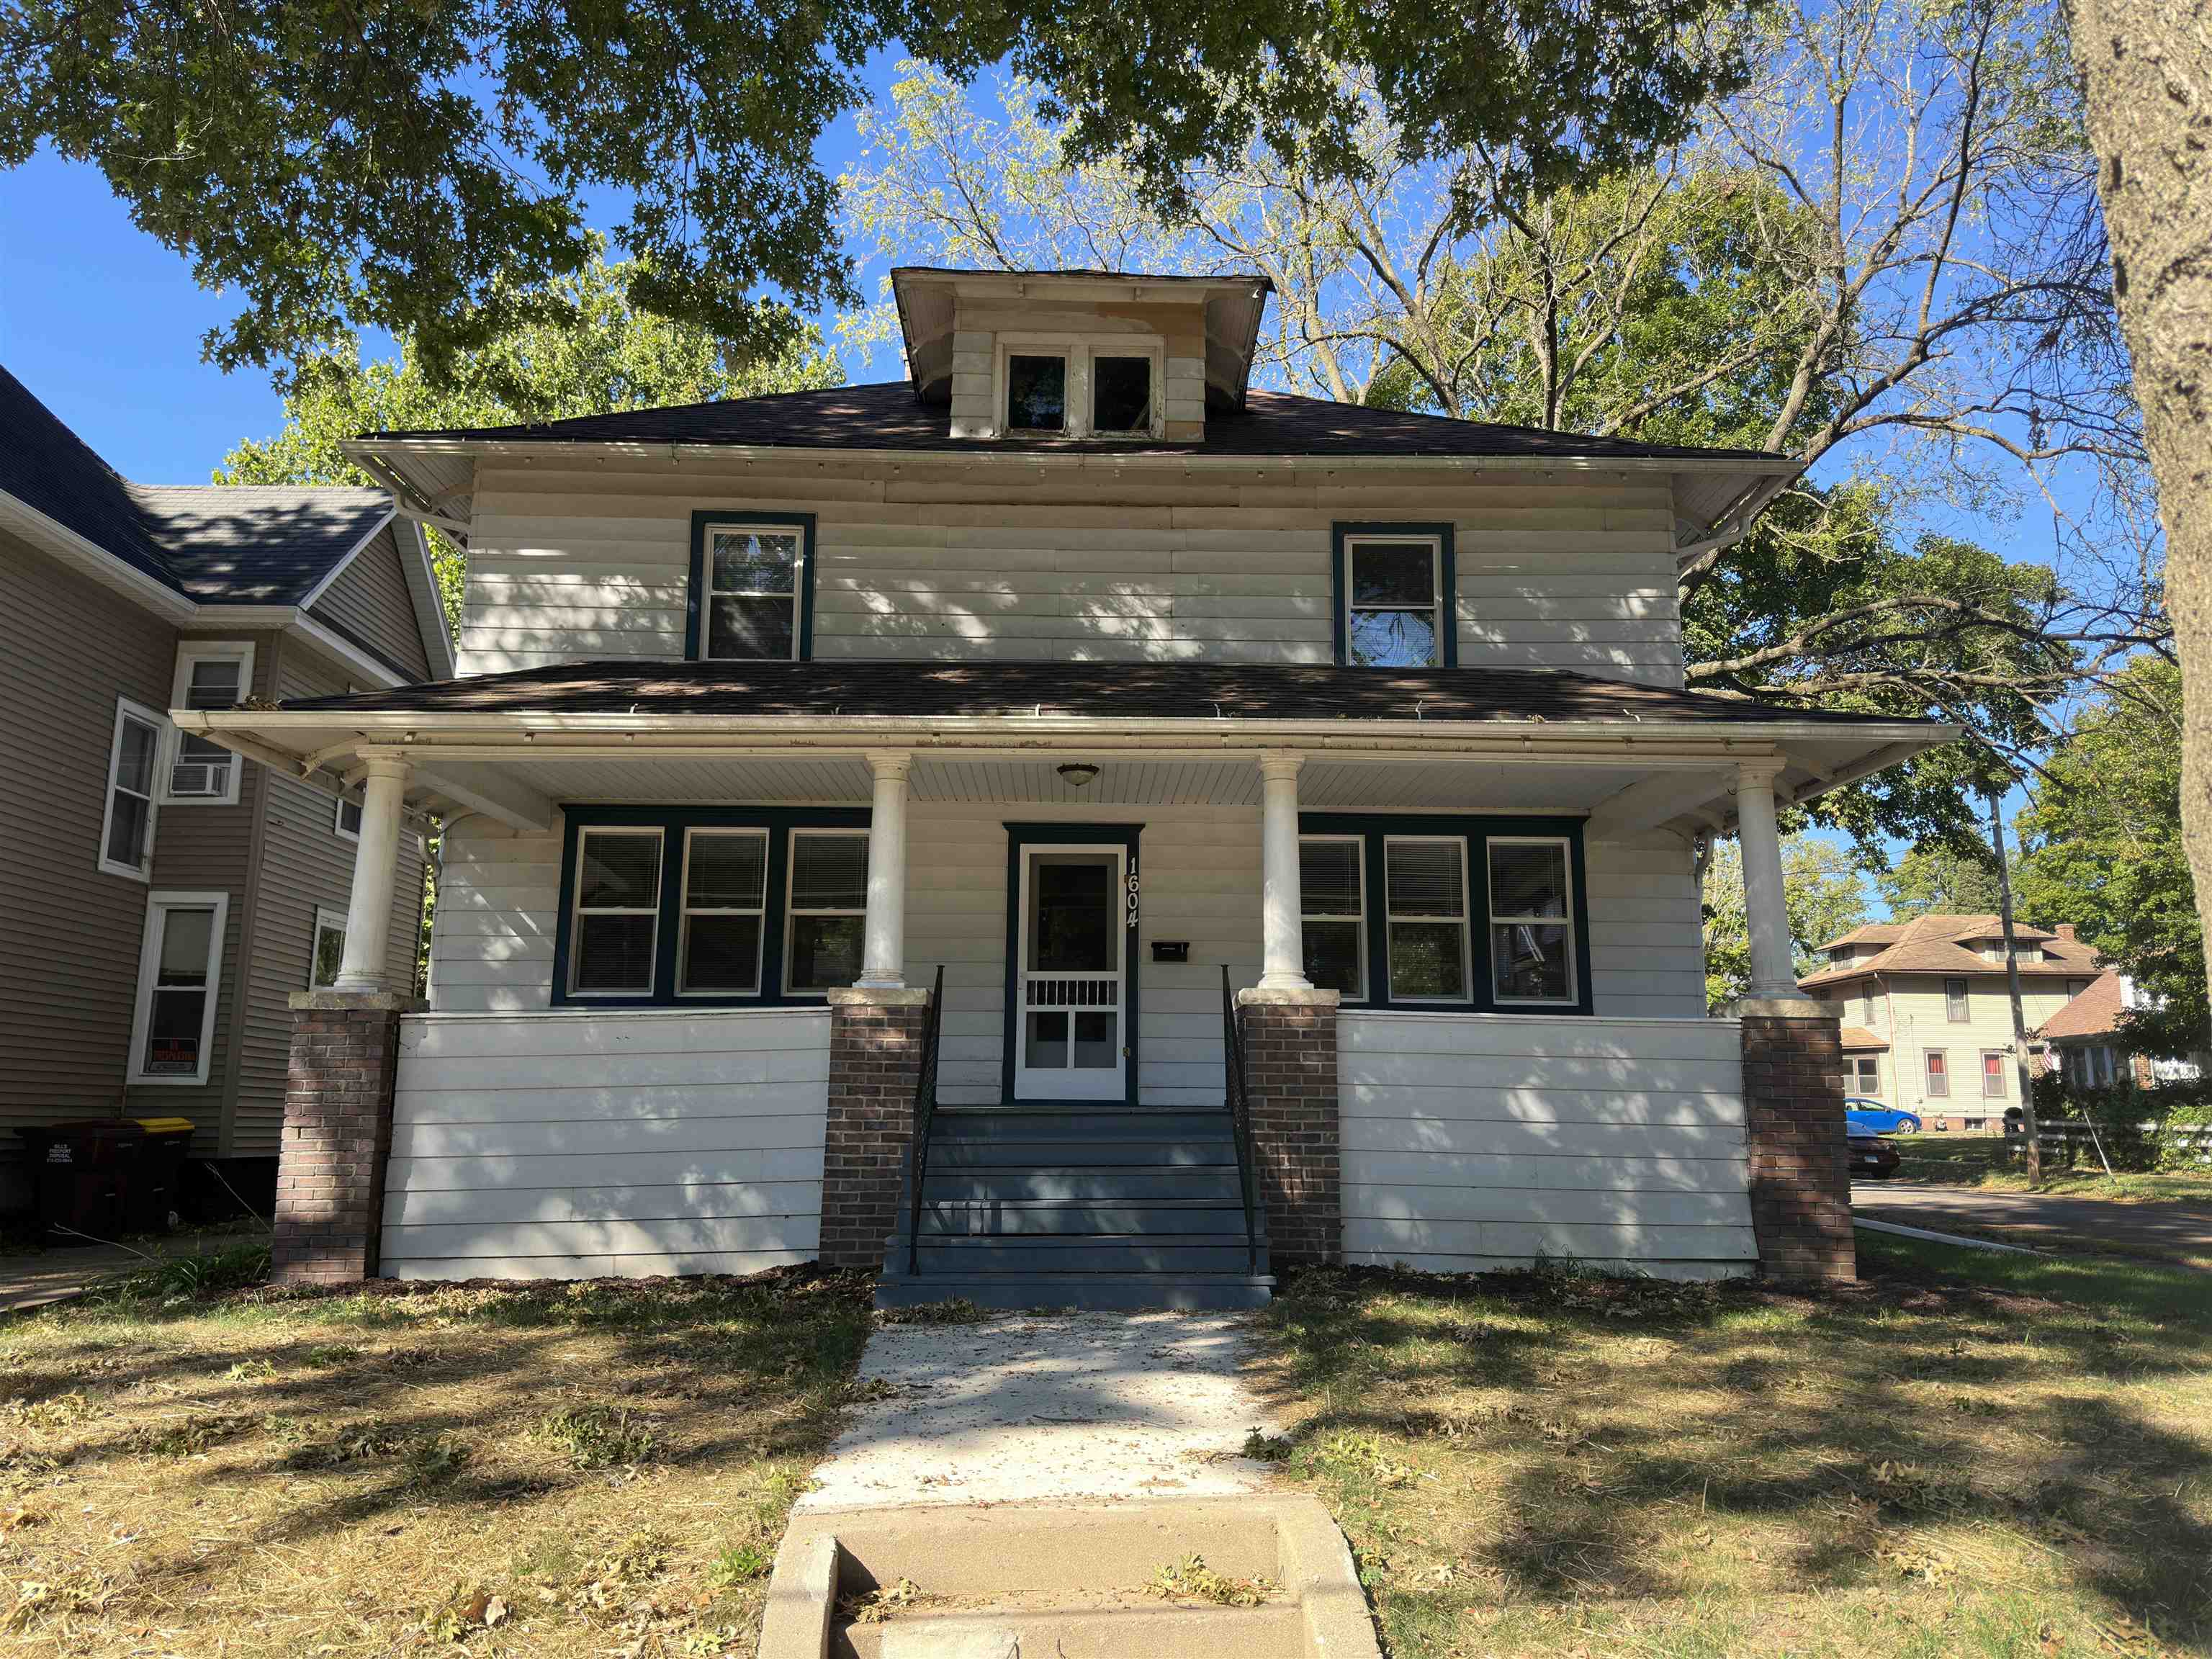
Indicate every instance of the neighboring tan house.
{"type": "Point", "coordinates": [163, 895]}
{"type": "Point", "coordinates": [1082, 672]}
{"type": "Point", "coordinates": [2089, 1047]}
{"type": "Point", "coordinates": [1927, 1012]}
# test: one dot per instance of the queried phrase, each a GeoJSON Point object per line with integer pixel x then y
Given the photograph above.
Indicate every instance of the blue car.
{"type": "Point", "coordinates": [1871, 1117]}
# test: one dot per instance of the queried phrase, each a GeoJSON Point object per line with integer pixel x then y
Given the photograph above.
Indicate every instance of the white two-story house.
{"type": "Point", "coordinates": [1142, 709]}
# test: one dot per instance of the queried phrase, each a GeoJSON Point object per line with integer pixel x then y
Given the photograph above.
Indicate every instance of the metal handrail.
{"type": "Point", "coordinates": [925, 1117]}
{"type": "Point", "coordinates": [1240, 1114]}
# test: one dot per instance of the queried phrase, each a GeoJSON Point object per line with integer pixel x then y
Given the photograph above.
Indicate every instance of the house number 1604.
{"type": "Point", "coordinates": [1129, 917]}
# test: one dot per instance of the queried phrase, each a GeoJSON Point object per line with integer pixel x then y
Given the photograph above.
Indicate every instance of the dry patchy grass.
{"type": "Point", "coordinates": [1916, 1465]}
{"type": "Point", "coordinates": [558, 1470]}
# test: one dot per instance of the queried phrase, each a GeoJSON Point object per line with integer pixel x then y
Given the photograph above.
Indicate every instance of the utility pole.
{"type": "Point", "coordinates": [2019, 1014]}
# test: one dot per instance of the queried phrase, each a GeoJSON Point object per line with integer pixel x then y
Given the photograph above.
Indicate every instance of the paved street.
{"type": "Point", "coordinates": [2180, 1228]}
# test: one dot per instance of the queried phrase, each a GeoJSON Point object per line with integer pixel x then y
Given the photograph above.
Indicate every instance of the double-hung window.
{"type": "Point", "coordinates": [1866, 1075]}
{"type": "Point", "coordinates": [134, 756]}
{"type": "Point", "coordinates": [1955, 1001]}
{"type": "Point", "coordinates": [1394, 596]}
{"type": "Point", "coordinates": [1532, 940]}
{"type": "Point", "coordinates": [1938, 1065]}
{"type": "Point", "coordinates": [179, 968]}
{"type": "Point", "coordinates": [327, 954]}
{"type": "Point", "coordinates": [1866, 1004]}
{"type": "Point", "coordinates": [210, 674]}
{"type": "Point", "coordinates": [1425, 885]}
{"type": "Point", "coordinates": [616, 933]}
{"type": "Point", "coordinates": [347, 823]}
{"type": "Point", "coordinates": [1993, 1073]}
{"type": "Point", "coordinates": [828, 907]}
{"type": "Point", "coordinates": [710, 904]}
{"type": "Point", "coordinates": [753, 591]}
{"type": "Point", "coordinates": [1333, 907]}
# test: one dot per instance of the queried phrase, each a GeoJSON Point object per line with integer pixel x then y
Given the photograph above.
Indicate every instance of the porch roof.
{"type": "Point", "coordinates": [1630, 757]}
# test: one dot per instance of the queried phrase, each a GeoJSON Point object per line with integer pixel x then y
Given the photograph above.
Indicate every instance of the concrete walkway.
{"type": "Point", "coordinates": [2180, 1229]}
{"type": "Point", "coordinates": [36, 1278]}
{"type": "Point", "coordinates": [1027, 1407]}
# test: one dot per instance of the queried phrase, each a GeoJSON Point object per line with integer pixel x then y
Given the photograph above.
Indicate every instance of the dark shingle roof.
{"type": "Point", "coordinates": [1083, 689]}
{"type": "Point", "coordinates": [888, 415]}
{"type": "Point", "coordinates": [255, 545]}
{"type": "Point", "coordinates": [217, 544]}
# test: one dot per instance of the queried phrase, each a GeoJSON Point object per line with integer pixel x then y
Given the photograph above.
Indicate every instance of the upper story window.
{"type": "Point", "coordinates": [1394, 587]}
{"type": "Point", "coordinates": [210, 674]}
{"type": "Point", "coordinates": [1955, 1001]}
{"type": "Point", "coordinates": [134, 756]}
{"type": "Point", "coordinates": [752, 587]}
{"type": "Point", "coordinates": [1112, 386]}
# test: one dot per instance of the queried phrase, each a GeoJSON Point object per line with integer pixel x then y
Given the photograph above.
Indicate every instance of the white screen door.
{"type": "Point", "coordinates": [1072, 982]}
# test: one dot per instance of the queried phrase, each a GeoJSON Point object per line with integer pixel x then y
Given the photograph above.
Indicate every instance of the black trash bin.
{"type": "Point", "coordinates": [98, 1178]}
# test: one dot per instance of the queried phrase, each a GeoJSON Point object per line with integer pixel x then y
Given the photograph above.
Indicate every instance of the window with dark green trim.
{"type": "Point", "coordinates": [733, 906]}
{"type": "Point", "coordinates": [1419, 911]}
{"type": "Point", "coordinates": [1393, 590]}
{"type": "Point", "coordinates": [751, 595]}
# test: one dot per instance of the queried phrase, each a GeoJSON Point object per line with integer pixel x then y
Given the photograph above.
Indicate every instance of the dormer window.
{"type": "Point", "coordinates": [1110, 386]}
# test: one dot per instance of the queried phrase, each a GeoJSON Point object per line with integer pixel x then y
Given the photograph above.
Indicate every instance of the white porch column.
{"type": "Point", "coordinates": [1282, 952]}
{"type": "Point", "coordinates": [883, 950]}
{"type": "Point", "coordinates": [375, 867]}
{"type": "Point", "coordinates": [1766, 913]}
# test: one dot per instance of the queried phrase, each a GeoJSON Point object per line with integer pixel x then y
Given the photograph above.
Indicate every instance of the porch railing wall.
{"type": "Point", "coordinates": [1472, 1141]}
{"type": "Point", "coordinates": [579, 1145]}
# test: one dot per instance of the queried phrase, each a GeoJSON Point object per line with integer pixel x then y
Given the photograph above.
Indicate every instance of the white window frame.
{"type": "Point", "coordinates": [1390, 917]}
{"type": "Point", "coordinates": [1564, 921]}
{"type": "Point", "coordinates": [1358, 918]}
{"type": "Point", "coordinates": [1859, 1064]}
{"type": "Point", "coordinates": [1928, 1076]}
{"type": "Point", "coordinates": [158, 904]}
{"type": "Point", "coordinates": [1965, 1014]}
{"type": "Point", "coordinates": [125, 712]}
{"type": "Point", "coordinates": [2003, 1090]}
{"type": "Point", "coordinates": [684, 912]}
{"type": "Point", "coordinates": [327, 921]}
{"type": "Point", "coordinates": [1439, 599]}
{"type": "Point", "coordinates": [338, 818]}
{"type": "Point", "coordinates": [791, 912]}
{"type": "Point", "coordinates": [709, 592]}
{"type": "Point", "coordinates": [190, 652]}
{"type": "Point", "coordinates": [1078, 351]}
{"type": "Point", "coordinates": [577, 912]}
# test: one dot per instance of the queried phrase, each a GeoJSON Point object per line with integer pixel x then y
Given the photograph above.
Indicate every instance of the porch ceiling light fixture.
{"type": "Point", "coordinates": [1077, 772]}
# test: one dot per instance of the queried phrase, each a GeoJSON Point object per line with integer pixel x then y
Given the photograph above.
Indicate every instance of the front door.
{"type": "Point", "coordinates": [1071, 1040]}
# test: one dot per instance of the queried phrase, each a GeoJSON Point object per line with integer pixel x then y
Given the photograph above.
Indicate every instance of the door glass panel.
{"type": "Point", "coordinates": [1074, 914]}
{"type": "Point", "coordinates": [1046, 1048]}
{"type": "Point", "coordinates": [1095, 1047]}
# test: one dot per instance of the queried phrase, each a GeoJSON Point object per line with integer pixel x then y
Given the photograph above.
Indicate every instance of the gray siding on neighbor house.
{"type": "Point", "coordinates": [369, 604]}
{"type": "Point", "coordinates": [303, 863]}
{"type": "Point", "coordinates": [69, 945]}
{"type": "Point", "coordinates": [944, 560]}
{"type": "Point", "coordinates": [210, 848]}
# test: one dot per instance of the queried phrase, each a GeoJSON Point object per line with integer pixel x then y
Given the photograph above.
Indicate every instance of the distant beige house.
{"type": "Point", "coordinates": [164, 895]}
{"type": "Point", "coordinates": [1927, 1015]}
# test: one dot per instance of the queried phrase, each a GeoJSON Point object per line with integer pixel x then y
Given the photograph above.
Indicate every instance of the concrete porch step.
{"type": "Point", "coordinates": [1123, 1184]}
{"type": "Point", "coordinates": [1079, 1123]}
{"type": "Point", "coordinates": [1093, 1217]}
{"type": "Point", "coordinates": [1117, 1630]}
{"type": "Point", "coordinates": [1089, 1292]}
{"type": "Point", "coordinates": [1080, 1254]}
{"type": "Point", "coordinates": [1182, 1153]}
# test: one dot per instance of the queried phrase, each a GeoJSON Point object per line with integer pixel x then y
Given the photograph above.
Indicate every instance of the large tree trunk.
{"type": "Point", "coordinates": [2148, 64]}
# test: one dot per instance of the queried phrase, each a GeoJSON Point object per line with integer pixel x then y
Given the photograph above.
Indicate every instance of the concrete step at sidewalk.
{"type": "Point", "coordinates": [1120, 1184]}
{"type": "Point", "coordinates": [1091, 1218]}
{"type": "Point", "coordinates": [1104, 1292]}
{"type": "Point", "coordinates": [1119, 1632]}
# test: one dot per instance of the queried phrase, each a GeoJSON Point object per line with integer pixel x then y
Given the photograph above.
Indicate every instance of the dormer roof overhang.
{"type": "Point", "coordinates": [929, 297]}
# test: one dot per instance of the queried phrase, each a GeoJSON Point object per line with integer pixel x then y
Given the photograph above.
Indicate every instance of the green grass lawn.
{"type": "Point", "coordinates": [1986, 1161]}
{"type": "Point", "coordinates": [548, 1470]}
{"type": "Point", "coordinates": [1965, 1454]}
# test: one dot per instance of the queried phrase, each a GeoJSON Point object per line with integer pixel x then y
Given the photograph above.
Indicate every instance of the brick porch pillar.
{"type": "Point", "coordinates": [875, 1059]}
{"type": "Point", "coordinates": [338, 1135]}
{"type": "Point", "coordinates": [1289, 1062]}
{"type": "Point", "coordinates": [1793, 1096]}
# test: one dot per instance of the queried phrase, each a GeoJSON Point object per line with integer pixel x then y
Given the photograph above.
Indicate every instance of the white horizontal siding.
{"type": "Point", "coordinates": [928, 559]}
{"type": "Point", "coordinates": [1647, 932]}
{"type": "Point", "coordinates": [1473, 1141]}
{"type": "Point", "coordinates": [491, 938]}
{"type": "Point", "coordinates": [573, 1146]}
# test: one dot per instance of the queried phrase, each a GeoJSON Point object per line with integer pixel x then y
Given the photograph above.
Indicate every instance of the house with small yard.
{"type": "Point", "coordinates": [2088, 1044]}
{"type": "Point", "coordinates": [1070, 826]}
{"type": "Point", "coordinates": [164, 895]}
{"type": "Point", "coordinates": [1926, 1009]}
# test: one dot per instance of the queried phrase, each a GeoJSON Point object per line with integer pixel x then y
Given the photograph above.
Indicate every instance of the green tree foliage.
{"type": "Point", "coordinates": [2103, 850]}
{"type": "Point", "coordinates": [1942, 880]}
{"type": "Point", "coordinates": [598, 354]}
{"type": "Point", "coordinates": [1822, 890]}
{"type": "Point", "coordinates": [424, 169]}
